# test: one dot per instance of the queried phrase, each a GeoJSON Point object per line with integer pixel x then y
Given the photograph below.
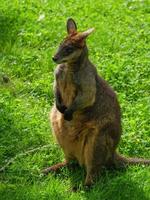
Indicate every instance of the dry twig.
{"type": "Point", "coordinates": [12, 160]}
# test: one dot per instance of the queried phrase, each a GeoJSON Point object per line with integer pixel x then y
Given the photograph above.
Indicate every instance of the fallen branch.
{"type": "Point", "coordinates": [41, 148]}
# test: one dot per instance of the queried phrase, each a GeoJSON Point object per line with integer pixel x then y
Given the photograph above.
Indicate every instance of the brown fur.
{"type": "Point", "coordinates": [88, 128]}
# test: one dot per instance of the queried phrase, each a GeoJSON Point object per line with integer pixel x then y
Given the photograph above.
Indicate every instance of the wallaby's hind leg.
{"type": "Point", "coordinates": [71, 164]}
{"type": "Point", "coordinates": [55, 168]}
{"type": "Point", "coordinates": [96, 156]}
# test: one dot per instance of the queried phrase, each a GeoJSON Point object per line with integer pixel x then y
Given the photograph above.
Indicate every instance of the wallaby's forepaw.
{"type": "Point", "coordinates": [68, 115]}
{"type": "Point", "coordinates": [61, 108]}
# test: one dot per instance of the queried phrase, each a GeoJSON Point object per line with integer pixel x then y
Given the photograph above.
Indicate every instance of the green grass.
{"type": "Point", "coordinates": [30, 32]}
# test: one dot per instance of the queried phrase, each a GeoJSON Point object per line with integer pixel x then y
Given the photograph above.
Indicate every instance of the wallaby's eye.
{"type": "Point", "coordinates": [69, 49]}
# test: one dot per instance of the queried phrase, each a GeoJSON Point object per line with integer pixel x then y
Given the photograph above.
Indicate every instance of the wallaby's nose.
{"type": "Point", "coordinates": [54, 58]}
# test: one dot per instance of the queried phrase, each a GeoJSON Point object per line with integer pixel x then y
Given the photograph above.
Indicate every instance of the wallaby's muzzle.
{"type": "Point", "coordinates": [55, 58]}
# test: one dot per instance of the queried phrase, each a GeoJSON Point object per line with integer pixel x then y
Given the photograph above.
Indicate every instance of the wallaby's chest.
{"type": "Point", "coordinates": [66, 84]}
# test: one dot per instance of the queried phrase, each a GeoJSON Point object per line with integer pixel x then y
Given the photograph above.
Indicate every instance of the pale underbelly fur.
{"type": "Point", "coordinates": [72, 136]}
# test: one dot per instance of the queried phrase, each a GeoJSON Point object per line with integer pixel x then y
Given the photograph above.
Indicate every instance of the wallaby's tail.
{"type": "Point", "coordinates": [121, 161]}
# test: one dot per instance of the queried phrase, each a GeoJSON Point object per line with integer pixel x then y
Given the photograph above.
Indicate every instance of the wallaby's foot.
{"type": "Point", "coordinates": [72, 165]}
{"type": "Point", "coordinates": [88, 182]}
{"type": "Point", "coordinates": [55, 168]}
{"type": "Point", "coordinates": [77, 188]}
{"type": "Point", "coordinates": [88, 187]}
{"type": "Point", "coordinates": [91, 176]}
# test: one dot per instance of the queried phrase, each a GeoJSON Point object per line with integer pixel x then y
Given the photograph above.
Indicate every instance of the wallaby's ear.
{"type": "Point", "coordinates": [86, 33]}
{"type": "Point", "coordinates": [71, 26]}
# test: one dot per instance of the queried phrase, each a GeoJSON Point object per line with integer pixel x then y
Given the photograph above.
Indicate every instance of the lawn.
{"type": "Point", "coordinates": [30, 32]}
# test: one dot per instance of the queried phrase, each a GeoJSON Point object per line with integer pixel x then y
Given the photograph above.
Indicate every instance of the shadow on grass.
{"type": "Point", "coordinates": [33, 192]}
{"type": "Point", "coordinates": [112, 185]}
{"type": "Point", "coordinates": [8, 28]}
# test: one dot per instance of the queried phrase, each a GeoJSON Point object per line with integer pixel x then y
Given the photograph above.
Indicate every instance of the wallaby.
{"type": "Point", "coordinates": [86, 117]}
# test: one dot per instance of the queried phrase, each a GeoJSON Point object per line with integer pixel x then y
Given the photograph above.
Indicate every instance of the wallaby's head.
{"type": "Point", "coordinates": [72, 46]}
